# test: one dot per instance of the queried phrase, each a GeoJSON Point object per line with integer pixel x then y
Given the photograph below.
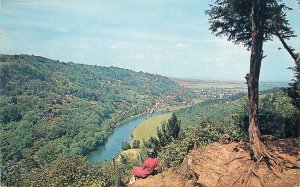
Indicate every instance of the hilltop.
{"type": "Point", "coordinates": [225, 164]}
{"type": "Point", "coordinates": [217, 164]}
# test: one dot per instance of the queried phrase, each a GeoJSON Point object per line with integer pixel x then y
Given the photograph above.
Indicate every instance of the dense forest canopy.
{"type": "Point", "coordinates": [51, 109]}
{"type": "Point", "coordinates": [278, 115]}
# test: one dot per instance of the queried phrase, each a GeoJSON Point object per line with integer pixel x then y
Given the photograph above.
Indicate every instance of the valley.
{"type": "Point", "coordinates": [104, 93]}
{"type": "Point", "coordinates": [51, 111]}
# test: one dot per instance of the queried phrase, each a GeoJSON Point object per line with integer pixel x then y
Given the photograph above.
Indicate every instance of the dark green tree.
{"type": "Point", "coordinates": [136, 144]}
{"type": "Point", "coordinates": [125, 145]}
{"type": "Point", "coordinates": [172, 128]}
{"type": "Point", "coordinates": [294, 87]}
{"type": "Point", "coordinates": [251, 23]}
{"type": "Point", "coordinates": [152, 143]}
{"type": "Point", "coordinates": [167, 133]}
{"type": "Point", "coordinates": [162, 135]}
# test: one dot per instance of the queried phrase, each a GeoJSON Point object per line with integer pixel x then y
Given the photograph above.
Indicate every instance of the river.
{"type": "Point", "coordinates": [113, 144]}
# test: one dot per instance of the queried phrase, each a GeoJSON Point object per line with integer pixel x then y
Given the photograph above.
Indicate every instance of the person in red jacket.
{"type": "Point", "coordinates": [150, 166]}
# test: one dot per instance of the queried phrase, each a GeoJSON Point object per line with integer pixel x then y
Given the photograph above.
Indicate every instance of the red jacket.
{"type": "Point", "coordinates": [147, 168]}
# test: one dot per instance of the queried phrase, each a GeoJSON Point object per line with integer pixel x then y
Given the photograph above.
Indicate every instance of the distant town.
{"type": "Point", "coordinates": [210, 89]}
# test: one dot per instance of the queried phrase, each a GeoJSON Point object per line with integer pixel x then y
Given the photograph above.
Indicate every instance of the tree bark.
{"type": "Point", "coordinates": [256, 144]}
{"type": "Point", "coordinates": [258, 150]}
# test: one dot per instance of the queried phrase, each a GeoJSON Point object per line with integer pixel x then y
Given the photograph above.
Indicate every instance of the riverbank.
{"type": "Point", "coordinates": [119, 124]}
{"type": "Point", "coordinates": [148, 128]}
{"type": "Point", "coordinates": [113, 144]}
{"type": "Point", "coordinates": [146, 131]}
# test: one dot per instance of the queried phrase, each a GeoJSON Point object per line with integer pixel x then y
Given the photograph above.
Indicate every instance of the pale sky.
{"type": "Point", "coordinates": [166, 37]}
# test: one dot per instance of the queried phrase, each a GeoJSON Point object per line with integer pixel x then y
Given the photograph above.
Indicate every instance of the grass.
{"type": "Point", "coordinates": [223, 85]}
{"type": "Point", "coordinates": [229, 85]}
{"type": "Point", "coordinates": [197, 101]}
{"type": "Point", "coordinates": [148, 127]}
{"type": "Point", "coordinates": [130, 153]}
{"type": "Point", "coordinates": [175, 108]}
{"type": "Point", "coordinates": [171, 108]}
{"type": "Point", "coordinates": [198, 84]}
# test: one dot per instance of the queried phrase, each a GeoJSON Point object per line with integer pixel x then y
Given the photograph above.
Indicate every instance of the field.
{"type": "Point", "coordinates": [148, 127]}
{"type": "Point", "coordinates": [129, 153]}
{"type": "Point", "coordinates": [203, 84]}
{"type": "Point", "coordinates": [171, 108]}
{"type": "Point", "coordinates": [227, 85]}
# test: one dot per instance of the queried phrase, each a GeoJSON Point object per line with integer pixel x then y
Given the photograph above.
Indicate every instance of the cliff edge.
{"type": "Point", "coordinates": [227, 164]}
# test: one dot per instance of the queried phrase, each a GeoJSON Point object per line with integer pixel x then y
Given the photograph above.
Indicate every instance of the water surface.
{"type": "Point", "coordinates": [113, 144]}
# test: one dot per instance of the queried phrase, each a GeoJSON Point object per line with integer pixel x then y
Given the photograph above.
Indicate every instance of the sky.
{"type": "Point", "coordinates": [166, 37]}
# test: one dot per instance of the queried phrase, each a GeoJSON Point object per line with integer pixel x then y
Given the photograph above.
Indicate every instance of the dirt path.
{"type": "Point", "coordinates": [223, 164]}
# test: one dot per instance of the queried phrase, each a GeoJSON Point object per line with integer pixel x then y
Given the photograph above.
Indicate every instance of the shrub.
{"type": "Point", "coordinates": [136, 144]}
{"type": "Point", "coordinates": [72, 171]}
{"type": "Point", "coordinates": [202, 134]}
{"type": "Point", "coordinates": [277, 117]}
{"type": "Point", "coordinates": [125, 146]}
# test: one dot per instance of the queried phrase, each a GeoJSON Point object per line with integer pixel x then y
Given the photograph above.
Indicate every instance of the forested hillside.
{"type": "Point", "coordinates": [278, 116]}
{"type": "Point", "coordinates": [212, 148]}
{"type": "Point", "coordinates": [51, 109]}
{"type": "Point", "coordinates": [213, 120]}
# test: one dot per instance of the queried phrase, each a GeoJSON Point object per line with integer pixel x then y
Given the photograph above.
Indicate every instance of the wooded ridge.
{"type": "Point", "coordinates": [51, 108]}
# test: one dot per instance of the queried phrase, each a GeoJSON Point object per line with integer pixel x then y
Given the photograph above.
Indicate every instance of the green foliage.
{"type": "Point", "coordinates": [125, 146]}
{"type": "Point", "coordinates": [63, 171]}
{"type": "Point", "coordinates": [206, 123]}
{"type": "Point", "coordinates": [72, 171]}
{"type": "Point", "coordinates": [174, 141]}
{"type": "Point", "coordinates": [148, 127]}
{"type": "Point", "coordinates": [199, 135]}
{"type": "Point", "coordinates": [53, 109]}
{"type": "Point", "coordinates": [152, 143]}
{"type": "Point", "coordinates": [233, 19]}
{"type": "Point", "coordinates": [278, 116]}
{"type": "Point", "coordinates": [172, 128]}
{"type": "Point", "coordinates": [293, 90]}
{"type": "Point", "coordinates": [136, 144]}
{"type": "Point", "coordinates": [216, 111]}
{"type": "Point", "coordinates": [167, 133]}
{"type": "Point", "coordinates": [173, 154]}
{"type": "Point", "coordinates": [10, 113]}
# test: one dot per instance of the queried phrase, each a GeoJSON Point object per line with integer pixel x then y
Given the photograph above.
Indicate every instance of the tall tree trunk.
{"type": "Point", "coordinates": [256, 144]}
{"type": "Point", "coordinates": [258, 150]}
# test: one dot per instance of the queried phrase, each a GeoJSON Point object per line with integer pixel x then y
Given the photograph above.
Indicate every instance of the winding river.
{"type": "Point", "coordinates": [113, 144]}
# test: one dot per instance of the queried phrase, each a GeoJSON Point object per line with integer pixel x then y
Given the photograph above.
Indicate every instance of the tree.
{"type": "Point", "coordinates": [173, 128]}
{"type": "Point", "coordinates": [167, 133]}
{"type": "Point", "coordinates": [252, 23]}
{"type": "Point", "coordinates": [136, 144]}
{"type": "Point", "coordinates": [125, 146]}
{"type": "Point", "coordinates": [294, 90]}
